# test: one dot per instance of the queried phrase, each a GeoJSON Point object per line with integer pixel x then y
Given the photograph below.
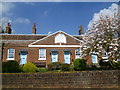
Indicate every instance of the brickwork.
{"type": "Point", "coordinates": [85, 79]}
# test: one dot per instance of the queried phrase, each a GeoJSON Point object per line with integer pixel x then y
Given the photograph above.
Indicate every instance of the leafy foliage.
{"type": "Point", "coordinates": [65, 67]}
{"type": "Point", "coordinates": [42, 70]}
{"type": "Point", "coordinates": [10, 67]}
{"type": "Point", "coordinates": [54, 66]}
{"type": "Point", "coordinates": [104, 36]}
{"type": "Point", "coordinates": [79, 64]}
{"type": "Point", "coordinates": [3, 67]}
{"type": "Point", "coordinates": [29, 68]}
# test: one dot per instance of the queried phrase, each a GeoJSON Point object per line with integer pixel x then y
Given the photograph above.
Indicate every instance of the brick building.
{"type": "Point", "coordinates": [41, 49]}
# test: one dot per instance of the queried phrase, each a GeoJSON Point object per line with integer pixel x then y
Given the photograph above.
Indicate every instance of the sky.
{"type": "Point", "coordinates": [50, 16]}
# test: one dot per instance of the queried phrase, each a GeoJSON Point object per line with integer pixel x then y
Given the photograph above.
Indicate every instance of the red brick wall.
{"type": "Point", "coordinates": [33, 54]}
{"type": "Point", "coordinates": [87, 79]}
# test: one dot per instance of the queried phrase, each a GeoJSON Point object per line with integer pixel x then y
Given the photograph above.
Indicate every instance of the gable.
{"type": "Point", "coordinates": [58, 38]}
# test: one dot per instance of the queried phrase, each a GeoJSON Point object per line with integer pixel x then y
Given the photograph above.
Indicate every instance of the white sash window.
{"type": "Point", "coordinates": [11, 53]}
{"type": "Point", "coordinates": [42, 54]}
{"type": "Point", "coordinates": [78, 53]}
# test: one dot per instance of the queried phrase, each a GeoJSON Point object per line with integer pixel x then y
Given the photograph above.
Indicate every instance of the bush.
{"type": "Point", "coordinates": [11, 67]}
{"type": "Point", "coordinates": [65, 67]}
{"type": "Point", "coordinates": [29, 68]}
{"type": "Point", "coordinates": [79, 64]}
{"type": "Point", "coordinates": [92, 67]}
{"type": "Point", "coordinates": [54, 66]}
{"type": "Point", "coordinates": [3, 67]}
{"type": "Point", "coordinates": [116, 65]}
{"type": "Point", "coordinates": [71, 67]}
{"type": "Point", "coordinates": [42, 69]}
{"type": "Point", "coordinates": [50, 67]}
{"type": "Point", "coordinates": [106, 65]}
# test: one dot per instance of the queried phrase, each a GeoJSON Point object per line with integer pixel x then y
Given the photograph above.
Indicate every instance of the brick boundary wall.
{"type": "Point", "coordinates": [84, 79]}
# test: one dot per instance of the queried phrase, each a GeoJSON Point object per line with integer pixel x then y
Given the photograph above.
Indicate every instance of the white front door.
{"type": "Point", "coordinates": [54, 56]}
{"type": "Point", "coordinates": [23, 58]}
{"type": "Point", "coordinates": [67, 57]}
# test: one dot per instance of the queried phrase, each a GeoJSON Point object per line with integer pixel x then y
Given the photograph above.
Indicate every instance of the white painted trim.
{"type": "Point", "coordinates": [43, 38]}
{"type": "Point", "coordinates": [39, 55]}
{"type": "Point", "coordinates": [8, 54]}
{"type": "Point", "coordinates": [42, 59]}
{"type": "Point", "coordinates": [53, 34]}
{"type": "Point", "coordinates": [10, 59]}
{"type": "Point", "coordinates": [71, 36]}
{"type": "Point", "coordinates": [54, 46]}
{"type": "Point", "coordinates": [80, 53]}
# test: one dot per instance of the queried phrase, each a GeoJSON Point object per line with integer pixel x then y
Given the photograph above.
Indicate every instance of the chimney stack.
{"type": "Point", "coordinates": [34, 28]}
{"type": "Point", "coordinates": [8, 28]}
{"type": "Point", "coordinates": [81, 30]}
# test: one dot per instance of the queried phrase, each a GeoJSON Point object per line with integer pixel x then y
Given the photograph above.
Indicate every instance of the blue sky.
{"type": "Point", "coordinates": [51, 17]}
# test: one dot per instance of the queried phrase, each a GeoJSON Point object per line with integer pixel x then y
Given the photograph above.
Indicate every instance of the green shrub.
{"type": "Point", "coordinates": [106, 64]}
{"type": "Point", "coordinates": [116, 65]}
{"type": "Point", "coordinates": [50, 67]}
{"type": "Point", "coordinates": [11, 67]}
{"type": "Point", "coordinates": [65, 67]}
{"type": "Point", "coordinates": [54, 66]}
{"type": "Point", "coordinates": [3, 67]}
{"type": "Point", "coordinates": [79, 64]}
{"type": "Point", "coordinates": [29, 68]}
{"type": "Point", "coordinates": [92, 67]}
{"type": "Point", "coordinates": [42, 69]}
{"type": "Point", "coordinates": [71, 67]}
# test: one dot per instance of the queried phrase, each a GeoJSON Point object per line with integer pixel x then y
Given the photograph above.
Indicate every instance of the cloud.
{"type": "Point", "coordinates": [104, 12]}
{"type": "Point", "coordinates": [22, 20]}
{"type": "Point", "coordinates": [5, 8]}
{"type": "Point", "coordinates": [4, 21]}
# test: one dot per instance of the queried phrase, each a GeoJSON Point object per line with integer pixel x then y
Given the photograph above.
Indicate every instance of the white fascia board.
{"type": "Point", "coordinates": [53, 34]}
{"type": "Point", "coordinates": [43, 38]}
{"type": "Point", "coordinates": [54, 46]}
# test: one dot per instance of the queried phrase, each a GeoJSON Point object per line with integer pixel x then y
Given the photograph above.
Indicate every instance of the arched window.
{"type": "Point", "coordinates": [60, 38]}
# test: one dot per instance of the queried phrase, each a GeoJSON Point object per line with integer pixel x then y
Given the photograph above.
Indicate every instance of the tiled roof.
{"type": "Point", "coordinates": [27, 37]}
{"type": "Point", "coordinates": [22, 37]}
{"type": "Point", "coordinates": [23, 40]}
{"type": "Point", "coordinates": [16, 43]}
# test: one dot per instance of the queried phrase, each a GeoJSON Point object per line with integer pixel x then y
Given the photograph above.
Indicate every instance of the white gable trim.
{"type": "Point", "coordinates": [53, 34]}
{"type": "Point", "coordinates": [54, 46]}
{"type": "Point", "coordinates": [72, 37]}
{"type": "Point", "coordinates": [43, 38]}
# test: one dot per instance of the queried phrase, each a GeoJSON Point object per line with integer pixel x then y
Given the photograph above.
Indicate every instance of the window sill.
{"type": "Point", "coordinates": [10, 59]}
{"type": "Point", "coordinates": [42, 59]}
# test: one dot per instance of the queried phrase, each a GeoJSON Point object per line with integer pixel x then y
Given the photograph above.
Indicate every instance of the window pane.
{"type": "Point", "coordinates": [11, 53]}
{"type": "Point", "coordinates": [78, 53]}
{"type": "Point", "coordinates": [42, 53]}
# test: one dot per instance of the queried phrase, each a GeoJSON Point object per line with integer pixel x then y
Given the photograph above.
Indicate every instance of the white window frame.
{"type": "Point", "coordinates": [39, 54]}
{"type": "Point", "coordinates": [8, 58]}
{"type": "Point", "coordinates": [76, 53]}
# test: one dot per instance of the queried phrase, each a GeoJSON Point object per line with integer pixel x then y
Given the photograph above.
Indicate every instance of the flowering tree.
{"type": "Point", "coordinates": [104, 36]}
